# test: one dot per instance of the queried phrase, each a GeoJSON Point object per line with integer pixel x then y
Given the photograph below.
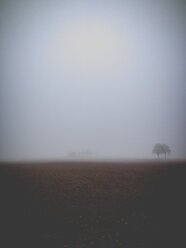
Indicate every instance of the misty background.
{"type": "Point", "coordinates": [50, 107]}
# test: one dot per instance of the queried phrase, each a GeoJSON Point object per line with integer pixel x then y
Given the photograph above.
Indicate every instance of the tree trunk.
{"type": "Point", "coordinates": [158, 155]}
{"type": "Point", "coordinates": [165, 155]}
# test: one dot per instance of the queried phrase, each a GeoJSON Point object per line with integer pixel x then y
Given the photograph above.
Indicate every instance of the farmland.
{"type": "Point", "coordinates": [93, 204]}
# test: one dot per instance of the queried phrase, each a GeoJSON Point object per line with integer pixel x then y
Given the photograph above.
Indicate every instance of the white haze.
{"type": "Point", "coordinates": [118, 105]}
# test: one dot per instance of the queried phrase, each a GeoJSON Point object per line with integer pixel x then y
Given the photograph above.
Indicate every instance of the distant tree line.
{"type": "Point", "coordinates": [161, 149]}
{"type": "Point", "coordinates": [83, 153]}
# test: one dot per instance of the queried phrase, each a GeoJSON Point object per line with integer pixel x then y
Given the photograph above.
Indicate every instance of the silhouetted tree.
{"type": "Point", "coordinates": [166, 150]}
{"type": "Point", "coordinates": [161, 149]}
{"type": "Point", "coordinates": [157, 149]}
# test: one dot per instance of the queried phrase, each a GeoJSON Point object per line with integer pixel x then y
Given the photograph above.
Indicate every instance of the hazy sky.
{"type": "Point", "coordinates": [108, 76]}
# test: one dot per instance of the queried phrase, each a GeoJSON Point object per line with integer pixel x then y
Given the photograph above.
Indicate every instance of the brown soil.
{"type": "Point", "coordinates": [93, 204]}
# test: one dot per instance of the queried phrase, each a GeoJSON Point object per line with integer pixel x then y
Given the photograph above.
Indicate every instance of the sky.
{"type": "Point", "coordinates": [104, 76]}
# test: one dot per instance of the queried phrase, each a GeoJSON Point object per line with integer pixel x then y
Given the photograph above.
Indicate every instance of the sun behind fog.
{"type": "Point", "coordinates": [90, 46]}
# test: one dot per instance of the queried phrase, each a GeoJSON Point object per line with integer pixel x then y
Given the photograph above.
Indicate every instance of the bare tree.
{"type": "Point", "coordinates": [161, 149]}
{"type": "Point", "coordinates": [157, 149]}
{"type": "Point", "coordinates": [166, 150]}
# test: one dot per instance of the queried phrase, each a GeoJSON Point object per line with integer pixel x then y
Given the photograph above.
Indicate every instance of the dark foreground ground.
{"type": "Point", "coordinates": [96, 205]}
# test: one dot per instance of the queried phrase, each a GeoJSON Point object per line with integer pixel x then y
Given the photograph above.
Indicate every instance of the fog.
{"type": "Point", "coordinates": [101, 76]}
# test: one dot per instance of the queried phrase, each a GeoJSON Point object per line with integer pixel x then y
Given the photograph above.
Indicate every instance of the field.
{"type": "Point", "coordinates": [93, 205]}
